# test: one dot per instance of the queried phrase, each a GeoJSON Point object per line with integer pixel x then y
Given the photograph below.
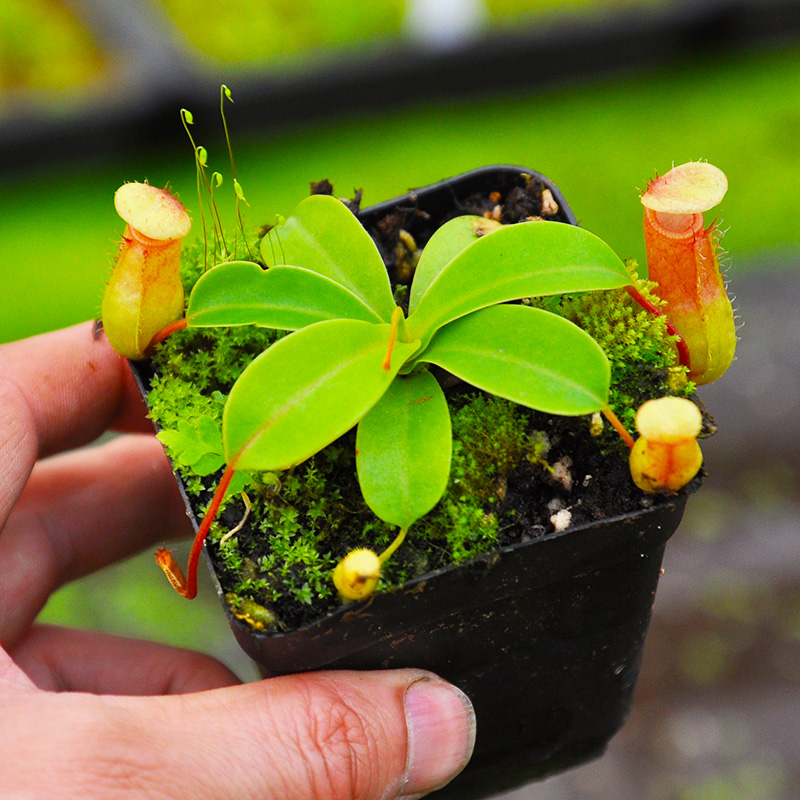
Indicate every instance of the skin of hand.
{"type": "Point", "coordinates": [91, 715]}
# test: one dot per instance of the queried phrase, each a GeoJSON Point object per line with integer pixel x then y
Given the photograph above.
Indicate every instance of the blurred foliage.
{"type": "Point", "coordinates": [44, 47]}
{"type": "Point", "coordinates": [278, 31]}
{"type": "Point", "coordinates": [749, 781]}
{"type": "Point", "coordinates": [599, 142]}
{"type": "Point", "coordinates": [514, 12]}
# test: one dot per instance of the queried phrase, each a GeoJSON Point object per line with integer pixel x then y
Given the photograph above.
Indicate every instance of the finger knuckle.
{"type": "Point", "coordinates": [338, 748]}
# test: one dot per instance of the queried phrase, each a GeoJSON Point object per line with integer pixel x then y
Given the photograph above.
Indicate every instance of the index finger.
{"type": "Point", "coordinates": [58, 391]}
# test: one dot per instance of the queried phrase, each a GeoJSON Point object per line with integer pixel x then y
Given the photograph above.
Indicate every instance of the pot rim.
{"type": "Point", "coordinates": [446, 186]}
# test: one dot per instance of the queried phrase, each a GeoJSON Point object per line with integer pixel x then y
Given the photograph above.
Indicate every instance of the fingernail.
{"type": "Point", "coordinates": [441, 735]}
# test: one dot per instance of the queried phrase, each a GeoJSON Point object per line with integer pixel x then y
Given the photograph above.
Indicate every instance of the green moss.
{"type": "Point", "coordinates": [489, 437]}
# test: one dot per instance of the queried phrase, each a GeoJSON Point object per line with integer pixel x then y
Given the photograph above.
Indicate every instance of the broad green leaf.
{"type": "Point", "coordinates": [403, 449]}
{"type": "Point", "coordinates": [445, 244]}
{"type": "Point", "coordinates": [307, 390]}
{"type": "Point", "coordinates": [526, 355]}
{"type": "Point", "coordinates": [323, 236]}
{"type": "Point", "coordinates": [524, 260]}
{"type": "Point", "coordinates": [196, 444]}
{"type": "Point", "coordinates": [287, 298]}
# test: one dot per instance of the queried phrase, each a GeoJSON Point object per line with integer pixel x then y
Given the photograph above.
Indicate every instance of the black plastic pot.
{"type": "Point", "coordinates": [545, 637]}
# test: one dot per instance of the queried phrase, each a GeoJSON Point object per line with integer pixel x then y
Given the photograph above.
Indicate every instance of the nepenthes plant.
{"type": "Point", "coordinates": [357, 352]}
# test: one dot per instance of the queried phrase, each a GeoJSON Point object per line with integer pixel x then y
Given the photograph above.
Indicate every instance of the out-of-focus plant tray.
{"type": "Point", "coordinates": [149, 72]}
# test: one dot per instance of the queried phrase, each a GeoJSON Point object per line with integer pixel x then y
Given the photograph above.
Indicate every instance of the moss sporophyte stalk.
{"type": "Point", "coordinates": [331, 384]}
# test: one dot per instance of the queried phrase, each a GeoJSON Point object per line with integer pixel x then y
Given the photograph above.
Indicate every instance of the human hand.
{"type": "Point", "coordinates": [92, 715]}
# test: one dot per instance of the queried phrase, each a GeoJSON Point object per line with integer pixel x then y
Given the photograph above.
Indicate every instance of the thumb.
{"type": "Point", "coordinates": [370, 735]}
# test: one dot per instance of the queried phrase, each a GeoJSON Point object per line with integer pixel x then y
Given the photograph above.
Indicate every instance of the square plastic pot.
{"type": "Point", "coordinates": [545, 637]}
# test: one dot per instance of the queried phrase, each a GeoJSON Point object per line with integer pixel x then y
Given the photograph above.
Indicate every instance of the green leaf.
{"type": "Point", "coordinates": [403, 450]}
{"type": "Point", "coordinates": [239, 482]}
{"type": "Point", "coordinates": [524, 260]}
{"type": "Point", "coordinates": [286, 298]}
{"type": "Point", "coordinates": [445, 244]}
{"type": "Point", "coordinates": [325, 237]}
{"type": "Point", "coordinates": [306, 390]}
{"type": "Point", "coordinates": [526, 355]}
{"type": "Point", "coordinates": [196, 444]}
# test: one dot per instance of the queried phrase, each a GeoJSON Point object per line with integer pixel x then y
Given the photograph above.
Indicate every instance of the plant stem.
{"type": "Point", "coordinates": [167, 330]}
{"type": "Point", "coordinates": [680, 343]}
{"type": "Point", "coordinates": [618, 426]}
{"type": "Point", "coordinates": [223, 93]}
{"type": "Point", "coordinates": [389, 551]}
{"type": "Point", "coordinates": [397, 316]}
{"type": "Point", "coordinates": [187, 120]}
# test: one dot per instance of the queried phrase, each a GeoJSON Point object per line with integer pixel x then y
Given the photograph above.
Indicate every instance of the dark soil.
{"type": "Point", "coordinates": [527, 198]}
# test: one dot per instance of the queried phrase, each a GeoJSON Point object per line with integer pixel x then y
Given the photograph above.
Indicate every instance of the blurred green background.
{"type": "Point", "coordinates": [599, 142]}
{"type": "Point", "coordinates": [600, 138]}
